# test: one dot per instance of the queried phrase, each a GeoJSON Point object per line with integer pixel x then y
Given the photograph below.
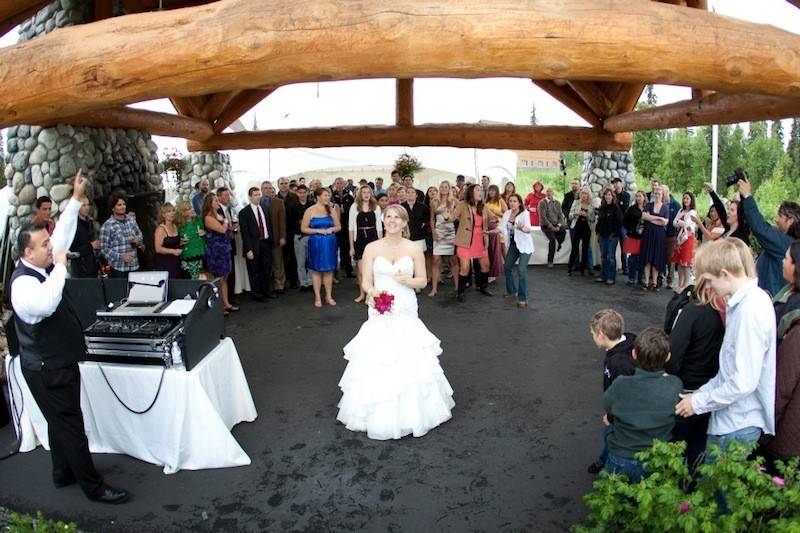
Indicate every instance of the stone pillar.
{"type": "Point", "coordinates": [600, 167]}
{"type": "Point", "coordinates": [214, 166]}
{"type": "Point", "coordinates": [41, 161]}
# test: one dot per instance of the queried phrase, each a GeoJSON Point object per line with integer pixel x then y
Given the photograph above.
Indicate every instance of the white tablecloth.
{"type": "Point", "coordinates": [540, 242]}
{"type": "Point", "coordinates": [188, 428]}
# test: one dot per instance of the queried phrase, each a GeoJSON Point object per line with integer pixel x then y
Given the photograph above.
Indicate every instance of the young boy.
{"type": "Point", "coordinates": [607, 328]}
{"type": "Point", "coordinates": [741, 397]}
{"type": "Point", "coordinates": [639, 408]}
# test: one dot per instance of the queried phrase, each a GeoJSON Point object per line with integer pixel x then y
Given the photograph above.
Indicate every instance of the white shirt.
{"type": "Point", "coordinates": [32, 300]}
{"type": "Point", "coordinates": [684, 220]}
{"type": "Point", "coordinates": [259, 213]}
{"type": "Point", "coordinates": [742, 394]}
{"type": "Point", "coordinates": [523, 241]}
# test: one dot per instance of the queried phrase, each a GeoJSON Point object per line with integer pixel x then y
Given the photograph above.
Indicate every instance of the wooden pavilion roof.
{"type": "Point", "coordinates": [216, 60]}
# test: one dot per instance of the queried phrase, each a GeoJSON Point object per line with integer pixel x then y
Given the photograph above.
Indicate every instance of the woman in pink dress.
{"type": "Point", "coordinates": [472, 239]}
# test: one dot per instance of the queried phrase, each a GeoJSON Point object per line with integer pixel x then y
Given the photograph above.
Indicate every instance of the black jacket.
{"type": "Point", "coordinates": [418, 220]}
{"type": "Point", "coordinates": [631, 221]}
{"type": "Point", "coordinates": [695, 341]}
{"type": "Point", "coordinates": [618, 361]}
{"type": "Point", "coordinates": [566, 203]}
{"type": "Point", "coordinates": [248, 226]}
{"type": "Point", "coordinates": [609, 220]}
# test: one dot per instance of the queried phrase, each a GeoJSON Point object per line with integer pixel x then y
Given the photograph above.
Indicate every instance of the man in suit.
{"type": "Point", "coordinates": [289, 260]}
{"type": "Point", "coordinates": [485, 187]}
{"type": "Point", "coordinates": [343, 200]}
{"type": "Point", "coordinates": [201, 189]}
{"type": "Point", "coordinates": [50, 344]}
{"type": "Point", "coordinates": [226, 210]}
{"type": "Point", "coordinates": [254, 225]}
{"type": "Point", "coordinates": [277, 216]}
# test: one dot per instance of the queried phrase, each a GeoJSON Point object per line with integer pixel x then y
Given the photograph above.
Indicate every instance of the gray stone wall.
{"type": "Point", "coordinates": [600, 167]}
{"type": "Point", "coordinates": [59, 14]}
{"type": "Point", "coordinates": [214, 166]}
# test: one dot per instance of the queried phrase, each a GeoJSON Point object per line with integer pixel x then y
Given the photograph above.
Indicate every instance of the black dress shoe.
{"type": "Point", "coordinates": [280, 291]}
{"type": "Point", "coordinates": [111, 495]}
{"type": "Point", "coordinates": [271, 296]}
{"type": "Point", "coordinates": [460, 297]}
{"type": "Point", "coordinates": [485, 291]}
{"type": "Point", "coordinates": [595, 467]}
{"type": "Point", "coordinates": [64, 481]}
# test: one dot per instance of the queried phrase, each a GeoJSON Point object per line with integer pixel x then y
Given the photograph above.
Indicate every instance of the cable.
{"type": "Point", "coordinates": [16, 416]}
{"type": "Point", "coordinates": [160, 382]}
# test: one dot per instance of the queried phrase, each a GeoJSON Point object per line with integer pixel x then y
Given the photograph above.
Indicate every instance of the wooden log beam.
{"type": "Point", "coordinates": [217, 104]}
{"type": "Point", "coordinates": [716, 108]}
{"type": "Point", "coordinates": [404, 113]}
{"type": "Point", "coordinates": [189, 106]}
{"type": "Point", "coordinates": [244, 44]}
{"type": "Point", "coordinates": [594, 97]}
{"type": "Point", "coordinates": [140, 119]}
{"type": "Point", "coordinates": [238, 106]}
{"type": "Point", "coordinates": [456, 135]}
{"type": "Point", "coordinates": [627, 98]}
{"type": "Point", "coordinates": [565, 95]}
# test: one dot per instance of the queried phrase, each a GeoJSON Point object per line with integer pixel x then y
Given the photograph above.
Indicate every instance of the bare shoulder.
{"type": "Point", "coordinates": [413, 250]}
{"type": "Point", "coordinates": [374, 248]}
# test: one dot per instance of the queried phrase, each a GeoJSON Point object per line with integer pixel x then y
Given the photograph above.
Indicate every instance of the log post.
{"type": "Point", "coordinates": [404, 114]}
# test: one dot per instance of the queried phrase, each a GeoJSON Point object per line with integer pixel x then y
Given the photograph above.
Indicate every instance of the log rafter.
{"type": "Point", "coordinates": [238, 106]}
{"type": "Point", "coordinates": [123, 59]}
{"type": "Point", "coordinates": [456, 135]}
{"type": "Point", "coordinates": [716, 108]}
{"type": "Point", "coordinates": [572, 101]}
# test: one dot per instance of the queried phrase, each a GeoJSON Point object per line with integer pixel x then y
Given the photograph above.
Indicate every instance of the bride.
{"type": "Point", "coordinates": [393, 385]}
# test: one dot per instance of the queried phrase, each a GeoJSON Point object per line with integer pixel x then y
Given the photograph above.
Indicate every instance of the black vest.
{"type": "Point", "coordinates": [55, 342]}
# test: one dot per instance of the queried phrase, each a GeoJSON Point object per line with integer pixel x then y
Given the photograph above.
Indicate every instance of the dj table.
{"type": "Point", "coordinates": [188, 426]}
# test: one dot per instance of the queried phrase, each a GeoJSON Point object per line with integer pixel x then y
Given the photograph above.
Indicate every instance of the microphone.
{"type": "Point", "coordinates": [159, 284]}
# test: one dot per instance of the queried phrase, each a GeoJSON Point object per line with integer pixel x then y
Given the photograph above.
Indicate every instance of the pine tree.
{"type": "Point", "coordinates": [776, 131]}
{"type": "Point", "coordinates": [534, 120]}
{"type": "Point", "coordinates": [678, 167]}
{"type": "Point", "coordinates": [648, 148]}
{"type": "Point", "coordinates": [651, 96]}
{"type": "Point", "coordinates": [793, 150]}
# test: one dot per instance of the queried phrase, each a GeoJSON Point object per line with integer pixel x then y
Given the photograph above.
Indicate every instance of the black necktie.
{"type": "Point", "coordinates": [49, 269]}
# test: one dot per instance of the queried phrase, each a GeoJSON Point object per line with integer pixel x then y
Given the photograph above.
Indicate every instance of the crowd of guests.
{"type": "Point", "coordinates": [725, 367]}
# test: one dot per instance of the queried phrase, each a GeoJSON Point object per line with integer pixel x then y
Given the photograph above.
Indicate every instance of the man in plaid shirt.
{"type": "Point", "coordinates": [120, 236]}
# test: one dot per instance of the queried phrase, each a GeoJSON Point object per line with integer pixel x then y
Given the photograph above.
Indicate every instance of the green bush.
{"type": "Point", "coordinates": [757, 501]}
{"type": "Point", "coordinates": [24, 523]}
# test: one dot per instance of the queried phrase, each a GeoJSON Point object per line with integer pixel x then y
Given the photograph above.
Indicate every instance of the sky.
{"type": "Point", "coordinates": [435, 101]}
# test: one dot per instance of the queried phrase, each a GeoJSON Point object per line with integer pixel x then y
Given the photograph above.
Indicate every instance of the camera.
{"type": "Point", "coordinates": [738, 175]}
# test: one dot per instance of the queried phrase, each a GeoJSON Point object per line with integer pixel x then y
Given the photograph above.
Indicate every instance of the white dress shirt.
{"type": "Point", "coordinates": [523, 241]}
{"type": "Point", "coordinates": [742, 394]}
{"type": "Point", "coordinates": [34, 301]}
{"type": "Point", "coordinates": [259, 213]}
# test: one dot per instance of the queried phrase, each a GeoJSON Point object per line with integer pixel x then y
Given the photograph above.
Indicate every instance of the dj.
{"type": "Point", "coordinates": [51, 344]}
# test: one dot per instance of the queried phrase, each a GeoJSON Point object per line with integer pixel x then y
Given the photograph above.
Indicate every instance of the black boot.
{"type": "Point", "coordinates": [482, 279]}
{"type": "Point", "coordinates": [462, 286]}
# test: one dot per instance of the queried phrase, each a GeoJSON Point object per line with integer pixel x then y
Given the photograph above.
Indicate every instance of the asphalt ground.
{"type": "Point", "coordinates": [528, 389]}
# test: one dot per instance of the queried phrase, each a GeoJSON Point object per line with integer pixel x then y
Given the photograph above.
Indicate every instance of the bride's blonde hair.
{"type": "Point", "coordinates": [401, 211]}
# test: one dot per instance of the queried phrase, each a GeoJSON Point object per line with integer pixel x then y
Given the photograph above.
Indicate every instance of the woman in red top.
{"type": "Point", "coordinates": [532, 202]}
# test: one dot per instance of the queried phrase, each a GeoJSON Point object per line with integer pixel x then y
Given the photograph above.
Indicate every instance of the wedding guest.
{"type": "Point", "coordinates": [383, 201]}
{"type": "Point", "coordinates": [731, 215]}
{"type": "Point", "coordinates": [667, 271]}
{"type": "Point", "coordinates": [168, 243]}
{"type": "Point", "coordinates": [607, 328]}
{"type": "Point", "coordinates": [624, 201]}
{"type": "Point", "coordinates": [609, 227]}
{"type": "Point", "coordinates": [408, 183]}
{"type": "Point", "coordinates": [395, 177]}
{"type": "Point", "coordinates": [120, 237]}
{"type": "Point", "coordinates": [401, 195]}
{"type": "Point", "coordinates": [277, 215]}
{"type": "Point", "coordinates": [321, 222]}
{"type": "Point", "coordinates": [226, 210]}
{"type": "Point", "coordinates": [472, 240]}
{"type": "Point", "coordinates": [365, 227]}
{"type": "Point", "coordinates": [342, 199]}
{"type": "Point", "coordinates": [581, 216]}
{"type": "Point", "coordinates": [516, 227]}
{"type": "Point", "coordinates": [532, 202]}
{"type": "Point", "coordinates": [695, 340]}
{"type": "Point", "coordinates": [786, 443]}
{"type": "Point", "coordinates": [256, 230]}
{"type": "Point", "coordinates": [569, 199]}
{"type": "Point", "coordinates": [289, 198]}
{"type": "Point", "coordinates": [552, 220]}
{"type": "Point", "coordinates": [634, 225]}
{"type": "Point", "coordinates": [391, 195]}
{"type": "Point", "coordinates": [218, 247]}
{"type": "Point", "coordinates": [293, 224]}
{"type": "Point", "coordinates": [683, 253]}
{"type": "Point", "coordinates": [201, 189]}
{"type": "Point", "coordinates": [431, 196]}
{"type": "Point", "coordinates": [444, 234]}
{"type": "Point", "coordinates": [656, 218]}
{"type": "Point", "coordinates": [43, 213]}
{"type": "Point", "coordinates": [711, 228]}
{"type": "Point", "coordinates": [485, 182]}
{"type": "Point", "coordinates": [418, 216]}
{"type": "Point", "coordinates": [497, 208]}
{"type": "Point", "coordinates": [192, 231]}
{"type": "Point", "coordinates": [508, 189]}
{"type": "Point", "coordinates": [639, 408]}
{"type": "Point", "coordinates": [379, 186]}
{"type": "Point", "coordinates": [86, 244]}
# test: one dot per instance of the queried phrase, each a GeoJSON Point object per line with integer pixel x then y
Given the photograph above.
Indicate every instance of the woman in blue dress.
{"type": "Point", "coordinates": [322, 221]}
{"type": "Point", "coordinates": [218, 246]}
{"type": "Point", "coordinates": [654, 236]}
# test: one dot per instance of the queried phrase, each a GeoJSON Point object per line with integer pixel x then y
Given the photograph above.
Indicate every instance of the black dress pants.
{"type": "Point", "coordinates": [553, 237]}
{"type": "Point", "coordinates": [290, 262]}
{"type": "Point", "coordinates": [58, 394]}
{"type": "Point", "coordinates": [259, 269]}
{"type": "Point", "coordinates": [343, 240]}
{"type": "Point", "coordinates": [581, 236]}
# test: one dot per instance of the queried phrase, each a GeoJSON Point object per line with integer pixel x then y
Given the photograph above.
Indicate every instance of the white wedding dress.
{"type": "Point", "coordinates": [393, 385]}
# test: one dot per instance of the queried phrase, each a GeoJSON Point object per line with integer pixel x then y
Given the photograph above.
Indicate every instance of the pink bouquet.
{"type": "Point", "coordinates": [382, 302]}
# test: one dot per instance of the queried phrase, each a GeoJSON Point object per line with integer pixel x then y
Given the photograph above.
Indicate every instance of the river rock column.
{"type": "Point", "coordinates": [601, 167]}
{"type": "Point", "coordinates": [214, 166]}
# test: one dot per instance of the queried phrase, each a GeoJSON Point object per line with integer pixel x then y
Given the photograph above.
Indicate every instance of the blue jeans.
{"type": "Point", "coordinates": [635, 268]}
{"type": "Point", "coordinates": [511, 258]}
{"type": "Point", "coordinates": [608, 258]}
{"type": "Point", "coordinates": [604, 453]}
{"type": "Point", "coordinates": [746, 435]}
{"type": "Point", "coordinates": [623, 258]}
{"type": "Point", "coordinates": [622, 465]}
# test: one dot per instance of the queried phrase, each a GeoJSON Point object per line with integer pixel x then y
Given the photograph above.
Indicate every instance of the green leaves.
{"type": "Point", "coordinates": [757, 502]}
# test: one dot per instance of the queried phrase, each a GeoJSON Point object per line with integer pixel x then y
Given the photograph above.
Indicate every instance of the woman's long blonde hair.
{"type": "Point", "coordinates": [401, 211]}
